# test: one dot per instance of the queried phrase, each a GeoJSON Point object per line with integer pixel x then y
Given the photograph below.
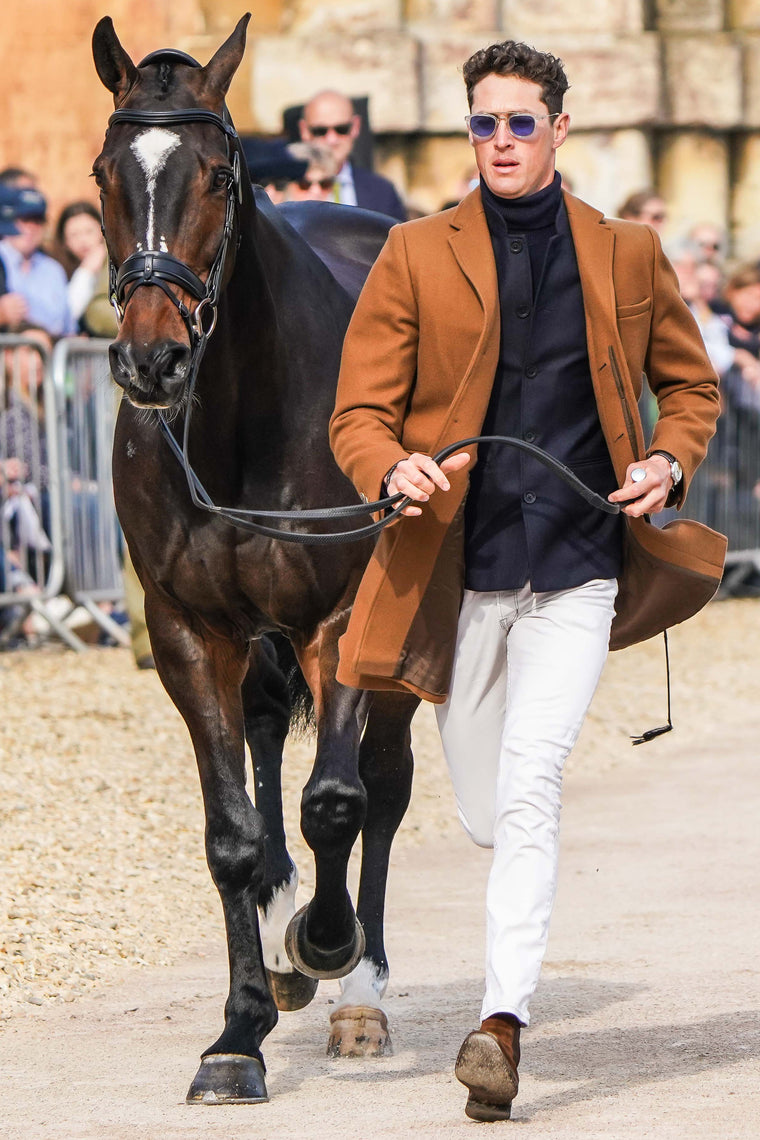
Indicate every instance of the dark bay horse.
{"type": "Point", "coordinates": [194, 250]}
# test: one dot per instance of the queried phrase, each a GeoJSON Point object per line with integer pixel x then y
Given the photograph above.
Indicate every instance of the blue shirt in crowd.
{"type": "Point", "coordinates": [42, 281]}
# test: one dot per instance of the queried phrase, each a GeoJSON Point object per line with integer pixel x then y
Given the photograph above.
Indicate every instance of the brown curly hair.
{"type": "Point", "coordinates": [513, 58]}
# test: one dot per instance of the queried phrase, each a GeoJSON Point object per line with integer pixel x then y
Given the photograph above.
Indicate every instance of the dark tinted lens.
{"type": "Point", "coordinates": [325, 183]}
{"type": "Point", "coordinates": [339, 128]}
{"type": "Point", "coordinates": [483, 126]}
{"type": "Point", "coordinates": [522, 125]}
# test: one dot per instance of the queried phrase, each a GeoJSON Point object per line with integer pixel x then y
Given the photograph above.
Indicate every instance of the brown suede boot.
{"type": "Point", "coordinates": [487, 1065]}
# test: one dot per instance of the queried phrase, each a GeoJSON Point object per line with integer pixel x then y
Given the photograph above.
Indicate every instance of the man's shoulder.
{"type": "Point", "coordinates": [49, 265]}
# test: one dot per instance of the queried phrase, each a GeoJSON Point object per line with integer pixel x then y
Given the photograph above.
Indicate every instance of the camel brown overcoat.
{"type": "Point", "coordinates": [417, 370]}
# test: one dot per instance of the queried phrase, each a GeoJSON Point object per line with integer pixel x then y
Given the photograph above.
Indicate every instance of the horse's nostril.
{"type": "Point", "coordinates": [122, 366]}
{"type": "Point", "coordinates": [175, 361]}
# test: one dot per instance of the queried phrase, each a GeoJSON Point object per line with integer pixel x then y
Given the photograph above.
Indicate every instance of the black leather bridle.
{"type": "Point", "coordinates": [161, 269]}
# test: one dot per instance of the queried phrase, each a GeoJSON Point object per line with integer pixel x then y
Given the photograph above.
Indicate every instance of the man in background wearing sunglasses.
{"type": "Point", "coordinates": [521, 312]}
{"type": "Point", "coordinates": [329, 118]}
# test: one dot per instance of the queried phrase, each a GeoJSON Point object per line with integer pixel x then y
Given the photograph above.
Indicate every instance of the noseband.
{"type": "Point", "coordinates": [163, 269]}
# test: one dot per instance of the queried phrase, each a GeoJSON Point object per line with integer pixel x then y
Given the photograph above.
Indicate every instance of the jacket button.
{"type": "Point", "coordinates": [529, 436]}
{"type": "Point", "coordinates": [529, 497]}
{"type": "Point", "coordinates": [531, 371]}
{"type": "Point", "coordinates": [516, 246]}
{"type": "Point", "coordinates": [522, 311]}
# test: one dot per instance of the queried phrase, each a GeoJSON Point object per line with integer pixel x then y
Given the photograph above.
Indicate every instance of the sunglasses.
{"type": "Point", "coordinates": [339, 128]}
{"type": "Point", "coordinates": [520, 124]}
{"type": "Point", "coordinates": [307, 183]}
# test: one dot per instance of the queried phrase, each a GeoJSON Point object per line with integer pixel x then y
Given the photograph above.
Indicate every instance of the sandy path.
{"type": "Point", "coordinates": [647, 1019]}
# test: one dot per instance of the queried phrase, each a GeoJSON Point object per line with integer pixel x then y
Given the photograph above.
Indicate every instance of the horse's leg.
{"type": "Point", "coordinates": [266, 710]}
{"type": "Point", "coordinates": [203, 675]}
{"type": "Point", "coordinates": [325, 939]}
{"type": "Point", "coordinates": [359, 1027]}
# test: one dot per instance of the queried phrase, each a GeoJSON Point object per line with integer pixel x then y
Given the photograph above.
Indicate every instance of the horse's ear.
{"type": "Point", "coordinates": [220, 69]}
{"type": "Point", "coordinates": [113, 65]}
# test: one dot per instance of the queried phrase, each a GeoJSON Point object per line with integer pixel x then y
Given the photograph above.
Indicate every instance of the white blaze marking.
{"type": "Point", "coordinates": [151, 149]}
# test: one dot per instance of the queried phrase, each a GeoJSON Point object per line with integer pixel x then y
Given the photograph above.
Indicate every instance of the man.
{"type": "Point", "coordinates": [329, 117]}
{"type": "Point", "coordinates": [521, 312]}
{"type": "Point", "coordinates": [36, 282]}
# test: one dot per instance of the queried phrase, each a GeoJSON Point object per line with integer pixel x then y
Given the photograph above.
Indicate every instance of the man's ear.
{"type": "Point", "coordinates": [356, 126]}
{"type": "Point", "coordinates": [303, 131]}
{"type": "Point", "coordinates": [561, 126]}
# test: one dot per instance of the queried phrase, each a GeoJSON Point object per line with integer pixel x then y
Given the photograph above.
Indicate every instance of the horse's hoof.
{"type": "Point", "coordinates": [291, 991]}
{"type": "Point", "coordinates": [359, 1031]}
{"type": "Point", "coordinates": [316, 963]}
{"type": "Point", "coordinates": [228, 1078]}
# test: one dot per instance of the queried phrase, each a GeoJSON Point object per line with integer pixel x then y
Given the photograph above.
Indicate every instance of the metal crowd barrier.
{"type": "Point", "coordinates": [32, 567]}
{"type": "Point", "coordinates": [725, 492]}
{"type": "Point", "coordinates": [60, 544]}
{"type": "Point", "coordinates": [92, 539]}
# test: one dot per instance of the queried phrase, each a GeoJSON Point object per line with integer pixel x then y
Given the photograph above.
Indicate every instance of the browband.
{"type": "Point", "coordinates": [183, 115]}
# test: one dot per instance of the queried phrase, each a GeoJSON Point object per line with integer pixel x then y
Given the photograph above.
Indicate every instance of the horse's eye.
{"type": "Point", "coordinates": [97, 174]}
{"type": "Point", "coordinates": [221, 179]}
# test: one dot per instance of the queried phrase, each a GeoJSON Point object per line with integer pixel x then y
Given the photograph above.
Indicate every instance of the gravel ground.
{"type": "Point", "coordinates": [101, 821]}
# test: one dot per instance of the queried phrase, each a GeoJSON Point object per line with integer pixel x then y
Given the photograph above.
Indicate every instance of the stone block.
{"type": "Point", "coordinates": [745, 214]}
{"type": "Point", "coordinates": [744, 14]}
{"type": "Point", "coordinates": [531, 20]}
{"type": "Point", "coordinates": [346, 18]}
{"type": "Point", "coordinates": [693, 178]}
{"type": "Point", "coordinates": [704, 80]}
{"type": "Point", "coordinates": [604, 167]}
{"type": "Point", "coordinates": [613, 85]}
{"type": "Point", "coordinates": [219, 17]}
{"type": "Point", "coordinates": [751, 45]}
{"type": "Point", "coordinates": [444, 98]}
{"type": "Point", "coordinates": [689, 15]}
{"type": "Point", "coordinates": [288, 70]}
{"type": "Point", "coordinates": [467, 15]}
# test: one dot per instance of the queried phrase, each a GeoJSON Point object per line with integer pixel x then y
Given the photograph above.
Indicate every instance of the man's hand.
{"type": "Point", "coordinates": [419, 475]}
{"type": "Point", "coordinates": [13, 310]}
{"type": "Point", "coordinates": [646, 496]}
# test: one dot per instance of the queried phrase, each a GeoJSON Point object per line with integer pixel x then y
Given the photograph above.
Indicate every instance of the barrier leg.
{"type": "Point", "coordinates": [134, 599]}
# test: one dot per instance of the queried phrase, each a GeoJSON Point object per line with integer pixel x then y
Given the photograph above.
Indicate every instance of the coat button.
{"type": "Point", "coordinates": [522, 311]}
{"type": "Point", "coordinates": [516, 246]}
{"type": "Point", "coordinates": [529, 497]}
{"type": "Point", "coordinates": [529, 436]}
{"type": "Point", "coordinates": [531, 371]}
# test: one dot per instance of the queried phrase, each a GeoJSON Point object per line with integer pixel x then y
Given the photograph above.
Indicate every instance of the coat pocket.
{"type": "Point", "coordinates": [636, 310]}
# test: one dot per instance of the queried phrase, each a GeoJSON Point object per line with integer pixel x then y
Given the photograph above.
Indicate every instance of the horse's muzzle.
{"type": "Point", "coordinates": [151, 376]}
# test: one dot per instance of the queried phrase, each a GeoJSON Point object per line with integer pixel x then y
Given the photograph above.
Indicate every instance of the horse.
{"type": "Point", "coordinates": [240, 622]}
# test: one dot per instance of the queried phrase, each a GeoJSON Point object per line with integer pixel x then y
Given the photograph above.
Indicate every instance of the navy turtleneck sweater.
{"type": "Point", "coordinates": [522, 524]}
{"type": "Point", "coordinates": [534, 217]}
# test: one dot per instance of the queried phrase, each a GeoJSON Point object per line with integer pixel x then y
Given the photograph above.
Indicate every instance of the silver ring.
{"type": "Point", "coordinates": [638, 475]}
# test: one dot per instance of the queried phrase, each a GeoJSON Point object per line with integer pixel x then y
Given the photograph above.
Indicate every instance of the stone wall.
{"type": "Point", "coordinates": [662, 91]}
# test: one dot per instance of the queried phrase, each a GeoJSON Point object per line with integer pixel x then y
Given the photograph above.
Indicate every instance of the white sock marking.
{"type": "Point", "coordinates": [273, 923]}
{"type": "Point", "coordinates": [151, 149]}
{"type": "Point", "coordinates": [365, 985]}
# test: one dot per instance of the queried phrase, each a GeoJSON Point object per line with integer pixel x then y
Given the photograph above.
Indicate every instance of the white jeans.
{"type": "Point", "coordinates": [525, 670]}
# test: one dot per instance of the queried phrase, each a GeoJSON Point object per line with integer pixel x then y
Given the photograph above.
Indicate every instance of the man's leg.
{"type": "Point", "coordinates": [471, 721]}
{"type": "Point", "coordinates": [556, 649]}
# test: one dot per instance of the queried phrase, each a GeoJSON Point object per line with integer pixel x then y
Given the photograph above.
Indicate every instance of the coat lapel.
{"type": "Point", "coordinates": [470, 242]}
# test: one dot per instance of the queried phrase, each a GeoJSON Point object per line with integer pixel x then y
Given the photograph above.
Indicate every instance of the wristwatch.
{"type": "Point", "coordinates": [676, 470]}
